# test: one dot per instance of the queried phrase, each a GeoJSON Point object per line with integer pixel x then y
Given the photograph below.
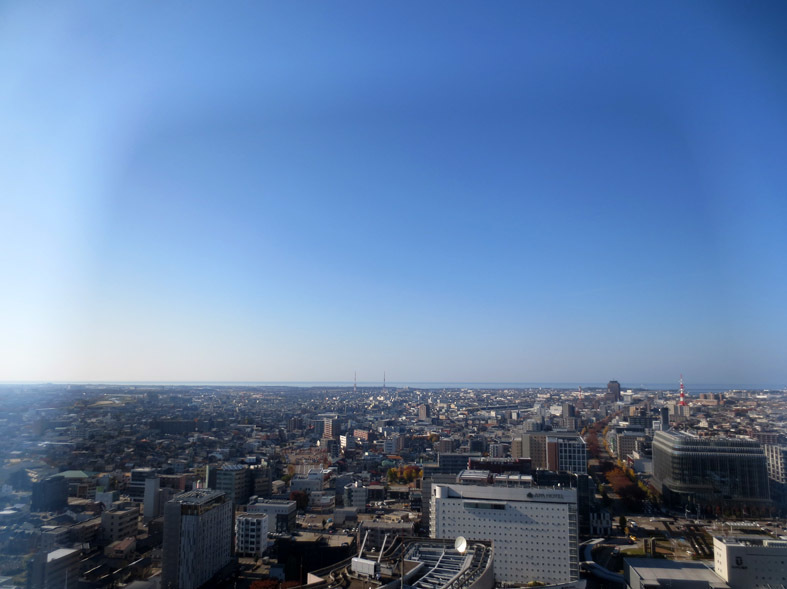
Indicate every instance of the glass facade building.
{"type": "Point", "coordinates": [709, 471]}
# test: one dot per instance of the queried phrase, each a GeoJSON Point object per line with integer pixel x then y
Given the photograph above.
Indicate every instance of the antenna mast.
{"type": "Point", "coordinates": [682, 393]}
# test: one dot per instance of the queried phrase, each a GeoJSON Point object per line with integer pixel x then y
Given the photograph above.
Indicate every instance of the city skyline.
{"type": "Point", "coordinates": [586, 386]}
{"type": "Point", "coordinates": [519, 193]}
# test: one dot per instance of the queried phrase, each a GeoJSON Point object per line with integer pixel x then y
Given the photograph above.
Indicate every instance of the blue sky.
{"type": "Point", "coordinates": [458, 191]}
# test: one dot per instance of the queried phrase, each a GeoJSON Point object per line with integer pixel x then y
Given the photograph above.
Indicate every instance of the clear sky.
{"type": "Point", "coordinates": [456, 191]}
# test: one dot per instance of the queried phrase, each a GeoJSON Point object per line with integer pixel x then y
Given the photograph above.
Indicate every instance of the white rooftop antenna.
{"type": "Point", "coordinates": [460, 544]}
{"type": "Point", "coordinates": [360, 552]}
{"type": "Point", "coordinates": [379, 556]}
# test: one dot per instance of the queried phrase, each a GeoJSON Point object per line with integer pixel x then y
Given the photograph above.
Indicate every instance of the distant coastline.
{"type": "Point", "coordinates": [690, 388]}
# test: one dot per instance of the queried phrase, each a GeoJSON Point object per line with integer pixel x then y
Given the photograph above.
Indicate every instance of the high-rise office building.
{"type": "Point", "coordinates": [235, 481]}
{"type": "Point", "coordinates": [571, 453]}
{"type": "Point", "coordinates": [557, 451]}
{"type": "Point", "coordinates": [534, 530]}
{"type": "Point", "coordinates": [664, 418]}
{"type": "Point", "coordinates": [776, 457]}
{"type": "Point", "coordinates": [50, 494]}
{"type": "Point", "coordinates": [709, 472]}
{"type": "Point", "coordinates": [197, 538]}
{"type": "Point", "coordinates": [424, 412]}
{"type": "Point", "coordinates": [151, 506]}
{"type": "Point", "coordinates": [330, 429]}
{"type": "Point", "coordinates": [613, 389]}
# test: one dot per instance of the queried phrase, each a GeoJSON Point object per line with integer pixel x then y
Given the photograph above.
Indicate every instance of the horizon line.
{"type": "Point", "coordinates": [379, 384]}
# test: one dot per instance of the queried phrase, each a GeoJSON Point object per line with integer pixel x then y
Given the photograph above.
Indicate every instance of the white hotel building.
{"type": "Point", "coordinates": [751, 562]}
{"type": "Point", "coordinates": [534, 530]}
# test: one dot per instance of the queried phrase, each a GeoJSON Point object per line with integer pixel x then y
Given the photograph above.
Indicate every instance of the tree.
{"type": "Point", "coordinates": [622, 523]}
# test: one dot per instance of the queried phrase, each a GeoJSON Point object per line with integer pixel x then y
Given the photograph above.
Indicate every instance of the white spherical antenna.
{"type": "Point", "coordinates": [460, 544]}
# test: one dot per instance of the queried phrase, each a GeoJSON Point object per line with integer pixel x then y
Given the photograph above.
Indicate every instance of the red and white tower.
{"type": "Point", "coordinates": [682, 393]}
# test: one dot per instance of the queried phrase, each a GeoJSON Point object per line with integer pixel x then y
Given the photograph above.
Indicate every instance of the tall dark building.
{"type": "Point", "coordinates": [613, 387]}
{"type": "Point", "coordinates": [50, 494]}
{"type": "Point", "coordinates": [664, 415]}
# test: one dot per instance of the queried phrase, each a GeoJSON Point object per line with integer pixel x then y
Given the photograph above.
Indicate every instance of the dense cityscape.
{"type": "Point", "coordinates": [393, 295]}
{"type": "Point", "coordinates": [153, 486]}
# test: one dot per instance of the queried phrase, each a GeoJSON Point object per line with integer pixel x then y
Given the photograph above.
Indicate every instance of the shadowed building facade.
{"type": "Point", "coordinates": [197, 538]}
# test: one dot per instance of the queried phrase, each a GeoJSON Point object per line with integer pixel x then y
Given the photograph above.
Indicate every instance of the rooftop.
{"type": "Point", "coordinates": [60, 553]}
{"type": "Point", "coordinates": [750, 541]}
{"type": "Point", "coordinates": [73, 474]}
{"type": "Point", "coordinates": [197, 496]}
{"type": "Point", "coordinates": [500, 493]}
{"type": "Point", "coordinates": [259, 501]}
{"type": "Point", "coordinates": [665, 571]}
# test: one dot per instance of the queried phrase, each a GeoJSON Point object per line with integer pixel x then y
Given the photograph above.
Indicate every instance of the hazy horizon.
{"type": "Point", "coordinates": [695, 388]}
{"type": "Point", "coordinates": [506, 192]}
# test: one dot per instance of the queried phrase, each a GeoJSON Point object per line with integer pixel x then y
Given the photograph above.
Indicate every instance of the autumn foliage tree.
{"type": "Point", "coordinates": [404, 475]}
{"type": "Point", "coordinates": [625, 485]}
{"type": "Point", "coordinates": [591, 440]}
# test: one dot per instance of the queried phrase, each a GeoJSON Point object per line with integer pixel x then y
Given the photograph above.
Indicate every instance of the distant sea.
{"type": "Point", "coordinates": [691, 388]}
